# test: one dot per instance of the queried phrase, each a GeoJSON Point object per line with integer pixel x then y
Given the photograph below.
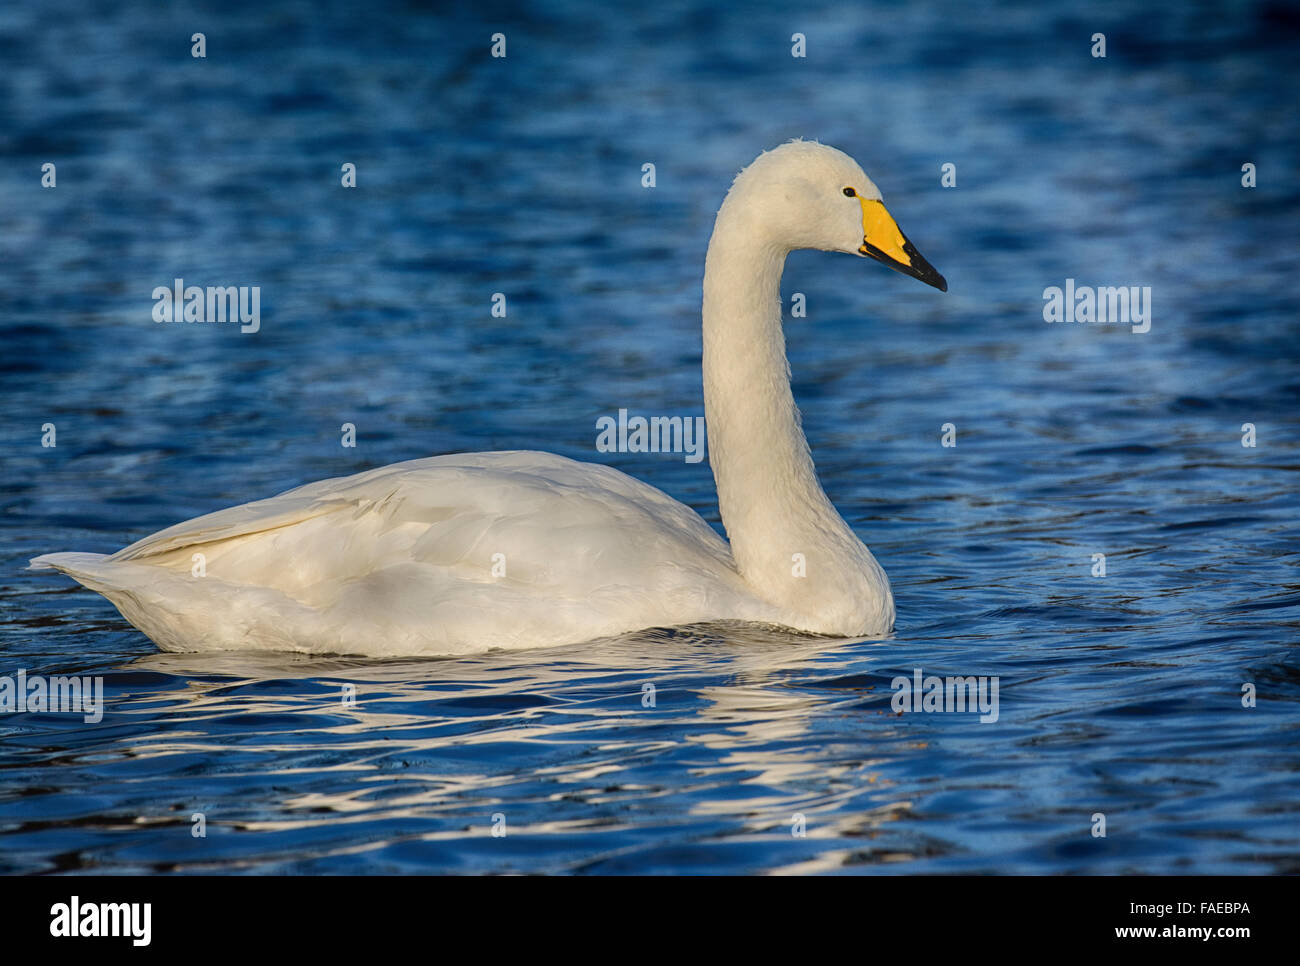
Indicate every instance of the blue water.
{"type": "Point", "coordinates": [1119, 695]}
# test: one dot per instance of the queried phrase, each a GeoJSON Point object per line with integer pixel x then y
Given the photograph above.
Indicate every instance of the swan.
{"type": "Point", "coordinates": [472, 552]}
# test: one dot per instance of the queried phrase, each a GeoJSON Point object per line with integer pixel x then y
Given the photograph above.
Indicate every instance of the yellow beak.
{"type": "Point", "coordinates": [885, 242]}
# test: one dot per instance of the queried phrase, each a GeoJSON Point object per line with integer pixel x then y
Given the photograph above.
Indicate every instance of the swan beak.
{"type": "Point", "coordinates": [884, 241]}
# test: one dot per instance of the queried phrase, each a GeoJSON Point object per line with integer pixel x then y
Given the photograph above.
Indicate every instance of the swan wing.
{"type": "Point", "coordinates": [443, 555]}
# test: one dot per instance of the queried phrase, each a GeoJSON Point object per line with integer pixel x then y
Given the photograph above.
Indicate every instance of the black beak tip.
{"type": "Point", "coordinates": [919, 268]}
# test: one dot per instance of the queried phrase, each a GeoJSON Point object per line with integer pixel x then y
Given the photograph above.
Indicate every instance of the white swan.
{"type": "Point", "coordinates": [400, 560]}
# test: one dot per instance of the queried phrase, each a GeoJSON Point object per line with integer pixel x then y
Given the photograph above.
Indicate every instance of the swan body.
{"type": "Point", "coordinates": [470, 552]}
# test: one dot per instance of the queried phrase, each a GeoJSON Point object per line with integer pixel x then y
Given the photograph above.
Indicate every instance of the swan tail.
{"type": "Point", "coordinates": [87, 569]}
{"type": "Point", "coordinates": [175, 609]}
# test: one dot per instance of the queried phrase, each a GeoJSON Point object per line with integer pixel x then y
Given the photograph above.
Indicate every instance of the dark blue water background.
{"type": "Point", "coordinates": [1119, 695]}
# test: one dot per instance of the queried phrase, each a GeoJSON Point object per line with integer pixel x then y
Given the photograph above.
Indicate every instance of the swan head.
{"type": "Point", "coordinates": [809, 195]}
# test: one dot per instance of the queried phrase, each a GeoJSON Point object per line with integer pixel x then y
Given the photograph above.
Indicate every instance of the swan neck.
{"type": "Point", "coordinates": [772, 505]}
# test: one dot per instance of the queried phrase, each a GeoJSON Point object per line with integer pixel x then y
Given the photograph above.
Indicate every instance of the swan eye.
{"type": "Point", "coordinates": [850, 193]}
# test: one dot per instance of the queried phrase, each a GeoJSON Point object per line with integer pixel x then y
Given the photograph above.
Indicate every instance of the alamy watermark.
{"type": "Point", "coordinates": [76, 919]}
{"type": "Point", "coordinates": [922, 694]}
{"type": "Point", "coordinates": [654, 434]}
{"type": "Point", "coordinates": [60, 695]}
{"type": "Point", "coordinates": [216, 303]}
{"type": "Point", "coordinates": [1107, 304]}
